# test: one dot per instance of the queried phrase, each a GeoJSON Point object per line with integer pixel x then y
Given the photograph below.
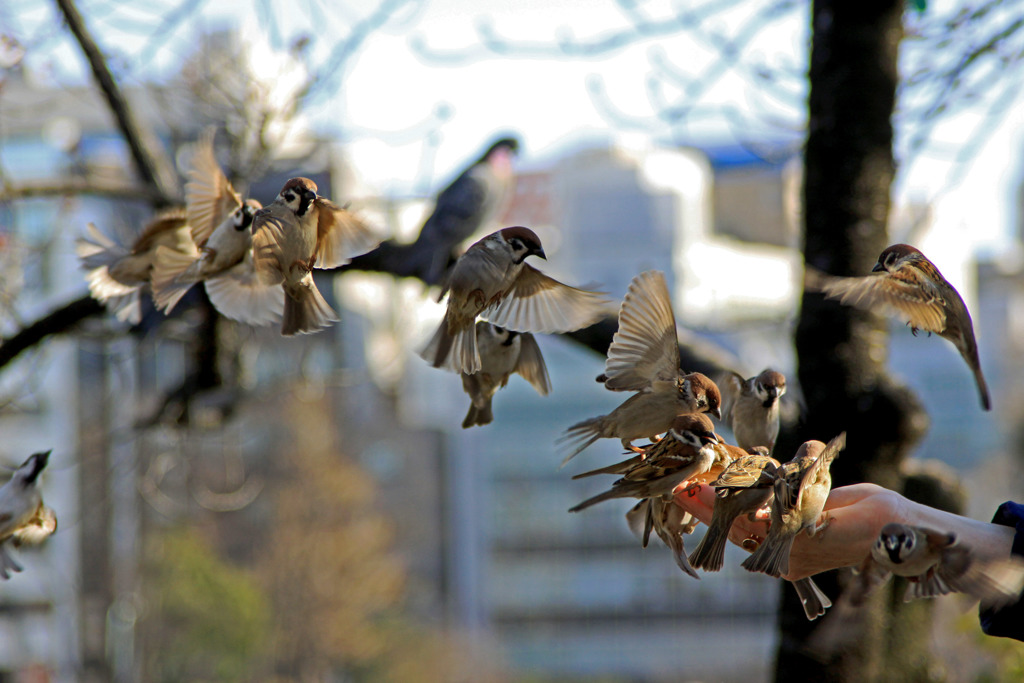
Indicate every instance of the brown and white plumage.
{"type": "Point", "coordinates": [221, 225]}
{"type": "Point", "coordinates": [752, 407]}
{"type": "Point", "coordinates": [298, 231]}
{"type": "Point", "coordinates": [936, 563]}
{"type": "Point", "coordinates": [644, 358]}
{"type": "Point", "coordinates": [117, 274]}
{"type": "Point", "coordinates": [491, 280]}
{"type": "Point", "coordinates": [743, 488]}
{"type": "Point", "coordinates": [911, 288]}
{"type": "Point", "coordinates": [502, 352]}
{"type": "Point", "coordinates": [682, 455]}
{"type": "Point", "coordinates": [801, 487]}
{"type": "Point", "coordinates": [24, 518]}
{"type": "Point", "coordinates": [669, 521]}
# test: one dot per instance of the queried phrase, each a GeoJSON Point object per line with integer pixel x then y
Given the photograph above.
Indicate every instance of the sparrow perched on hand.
{"type": "Point", "coordinates": [644, 357]}
{"type": "Point", "coordinates": [502, 352]}
{"type": "Point", "coordinates": [684, 453]}
{"type": "Point", "coordinates": [743, 488]}
{"type": "Point", "coordinates": [221, 227]}
{"type": "Point", "coordinates": [801, 487]}
{"type": "Point", "coordinates": [669, 521]}
{"type": "Point", "coordinates": [935, 563]}
{"type": "Point", "coordinates": [912, 289]}
{"type": "Point", "coordinates": [116, 274]}
{"type": "Point", "coordinates": [472, 200]}
{"type": "Point", "coordinates": [752, 407]}
{"type": "Point", "coordinates": [491, 280]}
{"type": "Point", "coordinates": [23, 516]}
{"type": "Point", "coordinates": [297, 232]}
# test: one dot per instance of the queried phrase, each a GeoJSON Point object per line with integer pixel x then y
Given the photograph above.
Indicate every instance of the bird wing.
{"type": "Point", "coordinates": [731, 386]}
{"type": "Point", "coordinates": [748, 471]}
{"type": "Point", "coordinates": [809, 474]}
{"type": "Point", "coordinates": [531, 365]}
{"type": "Point", "coordinates": [241, 295]}
{"type": "Point", "coordinates": [538, 303]}
{"type": "Point", "coordinates": [161, 230]}
{"type": "Point", "coordinates": [209, 196]}
{"type": "Point", "coordinates": [901, 293]}
{"type": "Point", "coordinates": [645, 348]}
{"type": "Point", "coordinates": [269, 228]}
{"type": "Point", "coordinates": [340, 235]}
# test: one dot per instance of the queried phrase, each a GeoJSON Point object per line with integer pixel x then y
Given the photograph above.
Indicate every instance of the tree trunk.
{"type": "Point", "coordinates": [841, 351]}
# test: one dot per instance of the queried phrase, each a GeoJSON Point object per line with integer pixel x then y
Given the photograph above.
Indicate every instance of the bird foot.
{"type": "Point", "coordinates": [691, 489]}
{"type": "Point", "coordinates": [821, 525]}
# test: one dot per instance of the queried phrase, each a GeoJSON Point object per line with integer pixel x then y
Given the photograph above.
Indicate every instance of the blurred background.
{"type": "Point", "coordinates": [235, 505]}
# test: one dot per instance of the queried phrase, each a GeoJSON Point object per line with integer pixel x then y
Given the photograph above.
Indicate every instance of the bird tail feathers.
{"type": "Point", "coordinates": [305, 310]}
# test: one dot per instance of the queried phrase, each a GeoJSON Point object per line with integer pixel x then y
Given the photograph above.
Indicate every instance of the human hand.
{"type": "Point", "coordinates": [857, 513]}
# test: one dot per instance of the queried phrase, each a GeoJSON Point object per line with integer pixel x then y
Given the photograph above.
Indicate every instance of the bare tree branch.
{"type": "Point", "coordinates": [81, 186]}
{"type": "Point", "coordinates": [145, 162]}
{"type": "Point", "coordinates": [58, 321]}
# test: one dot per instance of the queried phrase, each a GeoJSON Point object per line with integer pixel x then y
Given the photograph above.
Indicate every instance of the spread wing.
{"type": "Point", "coordinates": [901, 293]}
{"type": "Point", "coordinates": [340, 235]}
{"type": "Point", "coordinates": [530, 365]}
{"type": "Point", "coordinates": [269, 228]}
{"type": "Point", "coordinates": [645, 347]}
{"type": "Point", "coordinates": [209, 197]}
{"type": "Point", "coordinates": [239, 294]}
{"type": "Point", "coordinates": [538, 303]}
{"type": "Point", "coordinates": [161, 230]}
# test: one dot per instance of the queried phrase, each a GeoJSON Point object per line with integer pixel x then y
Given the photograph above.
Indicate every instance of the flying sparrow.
{"type": "Point", "coordinates": [644, 357]}
{"type": "Point", "coordinates": [23, 516]}
{"type": "Point", "coordinates": [910, 288]}
{"type": "Point", "coordinates": [502, 352]}
{"type": "Point", "coordinates": [800, 489]}
{"type": "Point", "coordinates": [935, 563]}
{"type": "Point", "coordinates": [469, 203]}
{"type": "Point", "coordinates": [681, 456]}
{"type": "Point", "coordinates": [297, 232]}
{"type": "Point", "coordinates": [117, 274]}
{"type": "Point", "coordinates": [752, 407]}
{"type": "Point", "coordinates": [221, 227]}
{"type": "Point", "coordinates": [743, 488]}
{"type": "Point", "coordinates": [491, 280]}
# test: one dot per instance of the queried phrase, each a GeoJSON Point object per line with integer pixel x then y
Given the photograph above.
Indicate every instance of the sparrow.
{"type": "Point", "coordinates": [936, 563]}
{"type": "Point", "coordinates": [116, 274]}
{"type": "Point", "coordinates": [681, 456]}
{"type": "Point", "coordinates": [752, 407]}
{"type": "Point", "coordinates": [297, 232]}
{"type": "Point", "coordinates": [669, 521]}
{"type": "Point", "coordinates": [23, 516]}
{"type": "Point", "coordinates": [221, 227]}
{"type": "Point", "coordinates": [743, 488]}
{"type": "Point", "coordinates": [800, 489]}
{"type": "Point", "coordinates": [502, 352]}
{"type": "Point", "coordinates": [644, 358]}
{"type": "Point", "coordinates": [469, 203]}
{"type": "Point", "coordinates": [491, 280]}
{"type": "Point", "coordinates": [912, 289]}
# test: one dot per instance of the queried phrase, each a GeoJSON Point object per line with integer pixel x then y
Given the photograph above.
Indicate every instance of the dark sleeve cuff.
{"type": "Point", "coordinates": [1008, 622]}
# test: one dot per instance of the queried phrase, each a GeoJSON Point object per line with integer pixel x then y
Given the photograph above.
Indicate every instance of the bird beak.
{"type": "Point", "coordinates": [540, 252]}
{"type": "Point", "coordinates": [878, 267]}
{"type": "Point", "coordinates": [717, 413]}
